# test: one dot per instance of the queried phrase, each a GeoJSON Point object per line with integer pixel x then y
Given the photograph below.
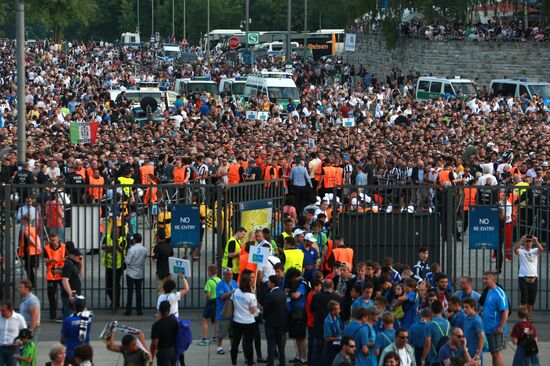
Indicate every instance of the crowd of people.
{"type": "Point", "coordinates": [334, 307]}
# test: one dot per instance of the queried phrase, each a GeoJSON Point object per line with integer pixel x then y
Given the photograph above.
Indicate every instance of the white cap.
{"type": "Point", "coordinates": [298, 232]}
{"type": "Point", "coordinates": [310, 237]}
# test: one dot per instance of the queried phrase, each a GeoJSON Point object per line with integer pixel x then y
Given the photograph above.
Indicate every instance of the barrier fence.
{"type": "Point", "coordinates": [84, 215]}
{"type": "Point", "coordinates": [376, 221]}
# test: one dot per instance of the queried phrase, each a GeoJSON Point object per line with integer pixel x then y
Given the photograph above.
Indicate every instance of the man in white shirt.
{"type": "Point", "coordinates": [528, 250]}
{"type": "Point", "coordinates": [10, 325]}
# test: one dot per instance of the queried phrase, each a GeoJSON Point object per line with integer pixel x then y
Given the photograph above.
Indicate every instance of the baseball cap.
{"type": "Point", "coordinates": [228, 269]}
{"type": "Point", "coordinates": [298, 232]}
{"type": "Point", "coordinates": [309, 237]}
{"type": "Point", "coordinates": [80, 302]}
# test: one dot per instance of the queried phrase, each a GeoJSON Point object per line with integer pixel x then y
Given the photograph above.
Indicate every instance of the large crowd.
{"type": "Point", "coordinates": [364, 309]}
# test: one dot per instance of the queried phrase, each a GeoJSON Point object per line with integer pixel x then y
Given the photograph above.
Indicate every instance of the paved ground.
{"type": "Point", "coordinates": [201, 355]}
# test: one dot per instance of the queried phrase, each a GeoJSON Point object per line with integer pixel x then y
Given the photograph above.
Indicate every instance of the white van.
{"type": "Point", "coordinates": [168, 53]}
{"type": "Point", "coordinates": [130, 40]}
{"type": "Point", "coordinates": [274, 48]}
{"type": "Point", "coordinates": [431, 87]}
{"type": "Point", "coordinates": [233, 87]}
{"type": "Point", "coordinates": [273, 84]}
{"type": "Point", "coordinates": [197, 85]}
{"type": "Point", "coordinates": [522, 87]}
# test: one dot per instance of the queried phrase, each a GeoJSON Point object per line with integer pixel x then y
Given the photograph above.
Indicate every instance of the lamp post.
{"type": "Point", "coordinates": [305, 30]}
{"type": "Point", "coordinates": [184, 21]}
{"type": "Point", "coordinates": [208, 30]}
{"type": "Point", "coordinates": [137, 18]}
{"type": "Point", "coordinates": [289, 26]}
{"type": "Point", "coordinates": [20, 51]}
{"type": "Point", "coordinates": [152, 19]}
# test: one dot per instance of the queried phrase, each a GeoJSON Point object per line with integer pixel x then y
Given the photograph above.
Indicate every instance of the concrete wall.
{"type": "Point", "coordinates": [485, 60]}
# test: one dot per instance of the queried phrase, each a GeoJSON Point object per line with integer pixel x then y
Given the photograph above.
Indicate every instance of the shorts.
{"type": "Point", "coordinates": [527, 291]}
{"type": "Point", "coordinates": [209, 310]}
{"type": "Point", "coordinates": [497, 342]}
{"type": "Point", "coordinates": [160, 283]}
{"type": "Point", "coordinates": [297, 328]}
{"type": "Point", "coordinates": [224, 328]}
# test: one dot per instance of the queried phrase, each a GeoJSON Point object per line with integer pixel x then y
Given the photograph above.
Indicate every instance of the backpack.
{"type": "Point", "coordinates": [444, 337]}
{"type": "Point", "coordinates": [184, 337]}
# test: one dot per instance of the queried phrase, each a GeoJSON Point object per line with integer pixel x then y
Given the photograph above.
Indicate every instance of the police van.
{"type": "Point", "coordinates": [198, 85]}
{"type": "Point", "coordinates": [275, 85]}
{"type": "Point", "coordinates": [168, 52]}
{"type": "Point", "coordinates": [522, 87]}
{"type": "Point", "coordinates": [431, 87]}
{"type": "Point", "coordinates": [233, 87]}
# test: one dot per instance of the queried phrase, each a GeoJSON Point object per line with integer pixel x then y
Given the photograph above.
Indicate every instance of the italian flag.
{"type": "Point", "coordinates": [83, 132]}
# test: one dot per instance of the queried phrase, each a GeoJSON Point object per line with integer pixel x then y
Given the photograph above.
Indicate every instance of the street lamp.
{"type": "Point", "coordinates": [20, 52]}
{"type": "Point", "coordinates": [288, 43]}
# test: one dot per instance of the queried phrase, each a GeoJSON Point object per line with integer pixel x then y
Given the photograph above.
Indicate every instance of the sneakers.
{"type": "Point", "coordinates": [212, 340]}
{"type": "Point", "coordinates": [220, 351]}
{"type": "Point", "coordinates": [203, 342]}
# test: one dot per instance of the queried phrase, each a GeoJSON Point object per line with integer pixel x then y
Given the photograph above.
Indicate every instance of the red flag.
{"type": "Point", "coordinates": [94, 126]}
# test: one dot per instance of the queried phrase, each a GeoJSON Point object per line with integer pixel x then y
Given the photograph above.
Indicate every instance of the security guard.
{"type": "Point", "coordinates": [232, 252]}
{"type": "Point", "coordinates": [292, 256]}
{"type": "Point", "coordinates": [113, 268]}
{"type": "Point", "coordinates": [54, 252]}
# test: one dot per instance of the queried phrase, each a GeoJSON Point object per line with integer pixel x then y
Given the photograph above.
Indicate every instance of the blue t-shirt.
{"type": "Point", "coordinates": [446, 353]}
{"type": "Point", "coordinates": [221, 288]}
{"type": "Point", "coordinates": [299, 302]}
{"type": "Point", "coordinates": [332, 327]}
{"type": "Point", "coordinates": [410, 307]}
{"type": "Point", "coordinates": [436, 329]}
{"type": "Point", "coordinates": [311, 256]}
{"type": "Point", "coordinates": [472, 327]}
{"type": "Point", "coordinates": [360, 302]}
{"type": "Point", "coordinates": [474, 295]}
{"type": "Point", "coordinates": [417, 334]}
{"type": "Point", "coordinates": [384, 339]}
{"type": "Point", "coordinates": [351, 328]}
{"type": "Point", "coordinates": [365, 335]}
{"type": "Point", "coordinates": [70, 331]}
{"type": "Point", "coordinates": [457, 319]}
{"type": "Point", "coordinates": [204, 109]}
{"type": "Point", "coordinates": [495, 303]}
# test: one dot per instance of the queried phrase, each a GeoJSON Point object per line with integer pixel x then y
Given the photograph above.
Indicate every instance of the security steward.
{"type": "Point", "coordinates": [232, 252]}
{"type": "Point", "coordinates": [292, 256]}
{"type": "Point", "coordinates": [113, 268]}
{"type": "Point", "coordinates": [54, 254]}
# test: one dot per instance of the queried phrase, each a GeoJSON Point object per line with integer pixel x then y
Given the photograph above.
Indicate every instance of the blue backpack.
{"type": "Point", "coordinates": [184, 337]}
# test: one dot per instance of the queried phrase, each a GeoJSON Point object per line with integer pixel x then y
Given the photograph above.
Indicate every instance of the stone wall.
{"type": "Point", "coordinates": [485, 60]}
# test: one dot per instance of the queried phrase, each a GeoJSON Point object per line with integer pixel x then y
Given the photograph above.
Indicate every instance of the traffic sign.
{"type": "Point", "coordinates": [253, 38]}
{"type": "Point", "coordinates": [234, 42]}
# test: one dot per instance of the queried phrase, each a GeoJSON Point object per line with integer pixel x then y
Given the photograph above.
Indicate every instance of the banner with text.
{"type": "Point", "coordinates": [483, 227]}
{"type": "Point", "coordinates": [185, 226]}
{"type": "Point", "coordinates": [177, 266]}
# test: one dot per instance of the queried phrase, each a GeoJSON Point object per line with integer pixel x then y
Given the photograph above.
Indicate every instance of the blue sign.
{"type": "Point", "coordinates": [186, 226]}
{"type": "Point", "coordinates": [483, 227]}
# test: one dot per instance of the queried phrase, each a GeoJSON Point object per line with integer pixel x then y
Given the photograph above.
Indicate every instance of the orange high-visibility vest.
{"type": "Point", "coordinates": [329, 180]}
{"type": "Point", "coordinates": [145, 171]}
{"type": "Point", "coordinates": [233, 176]}
{"type": "Point", "coordinates": [179, 175]}
{"type": "Point", "coordinates": [444, 176]}
{"type": "Point", "coordinates": [150, 195]}
{"type": "Point", "coordinates": [339, 175]}
{"type": "Point", "coordinates": [54, 268]}
{"type": "Point", "coordinates": [244, 264]}
{"type": "Point", "coordinates": [33, 249]}
{"type": "Point", "coordinates": [325, 267]}
{"type": "Point", "coordinates": [344, 255]}
{"type": "Point", "coordinates": [81, 172]}
{"type": "Point", "coordinates": [318, 171]}
{"type": "Point", "coordinates": [96, 187]}
{"type": "Point", "coordinates": [469, 198]}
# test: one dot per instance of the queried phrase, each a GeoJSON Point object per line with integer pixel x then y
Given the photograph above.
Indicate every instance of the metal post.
{"type": "Point", "coordinates": [247, 29]}
{"type": "Point", "coordinates": [289, 26]}
{"type": "Point", "coordinates": [208, 30]}
{"type": "Point", "coordinates": [173, 20]}
{"type": "Point", "coordinates": [305, 30]}
{"type": "Point", "coordinates": [21, 112]}
{"type": "Point", "coordinates": [152, 18]}
{"type": "Point", "coordinates": [137, 18]}
{"type": "Point", "coordinates": [184, 21]}
{"type": "Point", "coordinates": [8, 244]}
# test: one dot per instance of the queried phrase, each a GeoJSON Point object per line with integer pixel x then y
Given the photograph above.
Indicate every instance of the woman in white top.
{"type": "Point", "coordinates": [173, 297]}
{"type": "Point", "coordinates": [244, 304]}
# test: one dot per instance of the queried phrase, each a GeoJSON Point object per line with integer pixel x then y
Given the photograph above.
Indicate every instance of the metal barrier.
{"type": "Point", "coordinates": [396, 221]}
{"type": "Point", "coordinates": [84, 215]}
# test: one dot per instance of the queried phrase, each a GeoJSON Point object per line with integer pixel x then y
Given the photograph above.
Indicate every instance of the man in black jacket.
{"type": "Point", "coordinates": [319, 307]}
{"type": "Point", "coordinates": [275, 320]}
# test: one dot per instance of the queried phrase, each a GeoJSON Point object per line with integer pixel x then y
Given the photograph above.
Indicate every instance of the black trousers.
{"type": "Point", "coordinates": [31, 263]}
{"type": "Point", "coordinates": [275, 341]}
{"type": "Point", "coordinates": [246, 333]}
{"type": "Point", "coordinates": [300, 196]}
{"type": "Point", "coordinates": [53, 296]}
{"type": "Point", "coordinates": [166, 357]}
{"type": "Point", "coordinates": [136, 284]}
{"type": "Point", "coordinates": [114, 296]}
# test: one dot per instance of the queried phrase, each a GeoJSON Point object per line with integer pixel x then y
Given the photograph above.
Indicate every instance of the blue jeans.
{"type": "Point", "coordinates": [6, 356]}
{"type": "Point", "coordinates": [67, 306]}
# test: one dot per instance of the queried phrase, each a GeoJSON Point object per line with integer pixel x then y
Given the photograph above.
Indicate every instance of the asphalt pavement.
{"type": "Point", "coordinates": [206, 355]}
